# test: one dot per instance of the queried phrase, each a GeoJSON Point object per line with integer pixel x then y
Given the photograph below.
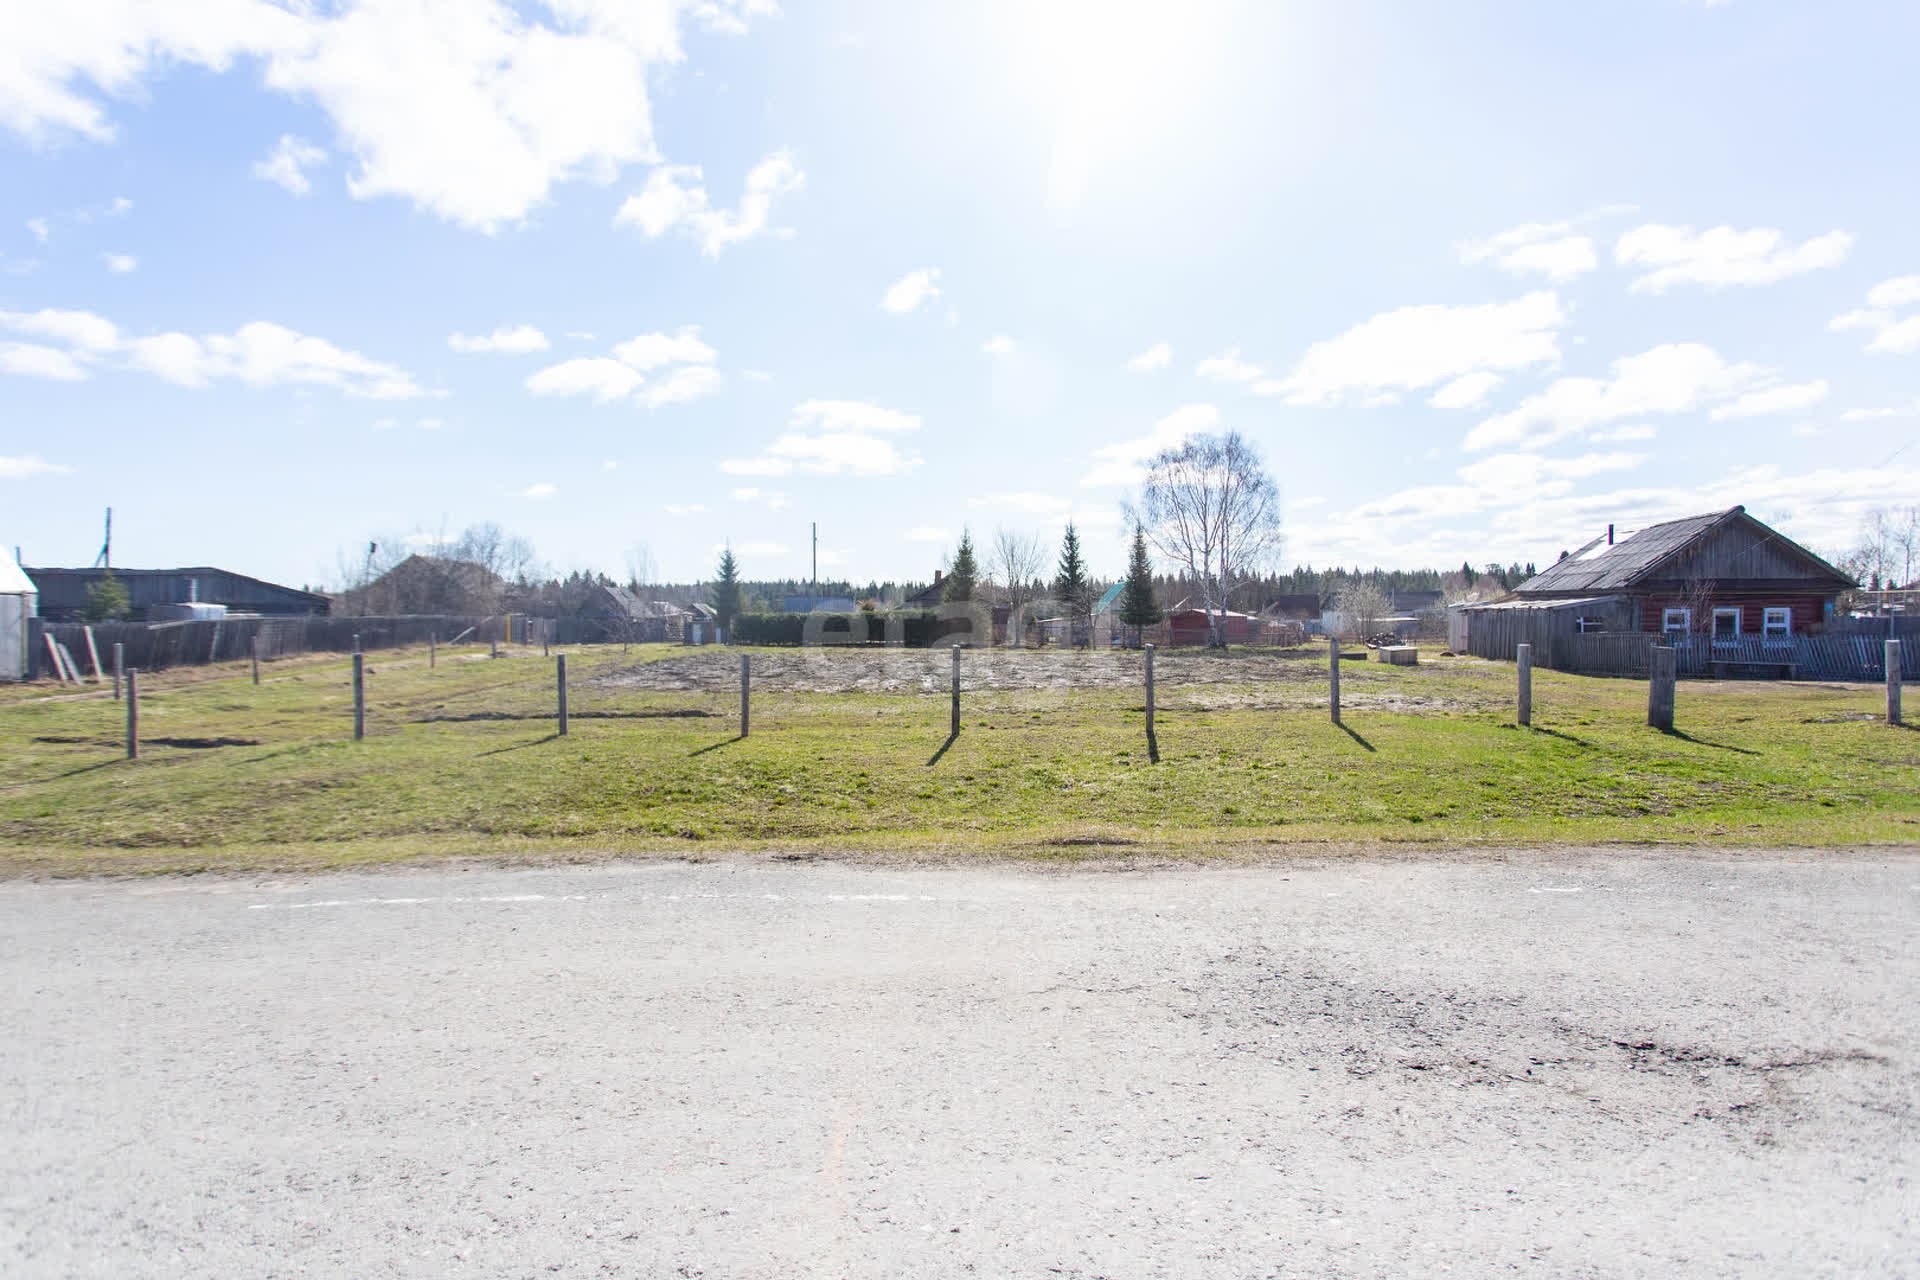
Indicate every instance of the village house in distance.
{"type": "Point", "coordinates": [1723, 582]}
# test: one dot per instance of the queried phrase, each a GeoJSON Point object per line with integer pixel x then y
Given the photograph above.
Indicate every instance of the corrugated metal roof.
{"type": "Point", "coordinates": [1614, 568]}
{"type": "Point", "coordinates": [1556, 602]}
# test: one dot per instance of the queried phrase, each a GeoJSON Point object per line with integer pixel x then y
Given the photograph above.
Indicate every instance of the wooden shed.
{"type": "Point", "coordinates": [1190, 627]}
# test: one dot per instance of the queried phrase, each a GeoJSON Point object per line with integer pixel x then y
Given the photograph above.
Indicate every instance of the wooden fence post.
{"type": "Point", "coordinates": [744, 685]}
{"type": "Point", "coordinates": [356, 642]}
{"type": "Point", "coordinates": [433, 649]}
{"type": "Point", "coordinates": [1893, 682]}
{"type": "Point", "coordinates": [359, 696]}
{"type": "Point", "coordinates": [546, 639]}
{"type": "Point", "coordinates": [560, 674]}
{"type": "Point", "coordinates": [956, 691]}
{"type": "Point", "coordinates": [133, 715]}
{"type": "Point", "coordinates": [256, 657]}
{"type": "Point", "coordinates": [93, 652]}
{"type": "Point", "coordinates": [1149, 691]}
{"type": "Point", "coordinates": [1664, 666]}
{"type": "Point", "coordinates": [119, 667]}
{"type": "Point", "coordinates": [1333, 675]}
{"type": "Point", "coordinates": [1523, 664]}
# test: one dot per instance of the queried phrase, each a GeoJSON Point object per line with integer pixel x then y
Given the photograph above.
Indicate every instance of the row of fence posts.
{"type": "Point", "coordinates": [1660, 688]}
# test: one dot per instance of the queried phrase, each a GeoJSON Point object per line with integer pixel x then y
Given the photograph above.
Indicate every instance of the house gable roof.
{"type": "Point", "coordinates": [1640, 557]}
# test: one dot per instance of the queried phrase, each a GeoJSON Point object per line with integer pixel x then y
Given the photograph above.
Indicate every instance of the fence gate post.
{"type": "Point", "coordinates": [1523, 664]}
{"type": "Point", "coordinates": [744, 679]}
{"type": "Point", "coordinates": [560, 674]}
{"type": "Point", "coordinates": [359, 695]}
{"type": "Point", "coordinates": [119, 667]}
{"type": "Point", "coordinates": [956, 691]}
{"type": "Point", "coordinates": [1893, 682]}
{"type": "Point", "coordinates": [1149, 691]}
{"type": "Point", "coordinates": [1664, 666]}
{"type": "Point", "coordinates": [1333, 675]}
{"type": "Point", "coordinates": [133, 715]}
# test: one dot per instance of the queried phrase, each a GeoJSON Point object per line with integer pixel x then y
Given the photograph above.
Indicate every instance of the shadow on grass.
{"type": "Point", "coordinates": [1344, 728]}
{"type": "Point", "coordinates": [1153, 748]}
{"type": "Point", "coordinates": [1564, 737]}
{"type": "Point", "coordinates": [1684, 736]}
{"type": "Point", "coordinates": [88, 768]}
{"type": "Point", "coordinates": [520, 746]}
{"type": "Point", "coordinates": [714, 746]}
{"type": "Point", "coordinates": [944, 748]}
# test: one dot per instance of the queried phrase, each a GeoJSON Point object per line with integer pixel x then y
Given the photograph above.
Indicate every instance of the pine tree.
{"type": "Point", "coordinates": [1070, 581]}
{"type": "Point", "coordinates": [107, 600]}
{"type": "Point", "coordinates": [961, 578]}
{"type": "Point", "coordinates": [725, 595]}
{"type": "Point", "coordinates": [1138, 607]}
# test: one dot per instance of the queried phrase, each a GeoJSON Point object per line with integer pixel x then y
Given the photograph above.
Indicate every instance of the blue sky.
{"type": "Point", "coordinates": [1477, 278]}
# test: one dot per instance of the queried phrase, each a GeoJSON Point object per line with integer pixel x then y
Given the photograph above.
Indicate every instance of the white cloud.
{"type": "Point", "coordinates": [1722, 256]}
{"type": "Point", "coordinates": [1786, 399]}
{"type": "Point", "coordinates": [649, 351]}
{"type": "Point", "coordinates": [833, 452]}
{"type": "Point", "coordinates": [1545, 248]}
{"type": "Point", "coordinates": [756, 466]}
{"type": "Point", "coordinates": [1468, 391]}
{"type": "Point", "coordinates": [1421, 346]}
{"type": "Point", "coordinates": [1869, 415]}
{"type": "Point", "coordinates": [287, 162]}
{"type": "Point", "coordinates": [517, 341]}
{"type": "Point", "coordinates": [1229, 367]}
{"type": "Point", "coordinates": [473, 109]}
{"type": "Point", "coordinates": [998, 345]}
{"type": "Point", "coordinates": [1901, 291]}
{"type": "Point", "coordinates": [30, 465]}
{"type": "Point", "coordinates": [929, 533]}
{"type": "Point", "coordinates": [39, 228]}
{"type": "Point", "coordinates": [538, 491]}
{"type": "Point", "coordinates": [602, 378]}
{"type": "Point", "coordinates": [1123, 462]}
{"type": "Point", "coordinates": [689, 382]}
{"type": "Point", "coordinates": [912, 289]}
{"type": "Point", "coordinates": [257, 353]}
{"type": "Point", "coordinates": [1891, 333]}
{"type": "Point", "coordinates": [610, 465]}
{"type": "Point", "coordinates": [756, 375]}
{"type": "Point", "coordinates": [431, 424]}
{"type": "Point", "coordinates": [1672, 378]}
{"type": "Point", "coordinates": [685, 508]}
{"type": "Point", "coordinates": [1157, 356]}
{"type": "Point", "coordinates": [32, 360]}
{"type": "Point", "coordinates": [1633, 431]}
{"type": "Point", "coordinates": [674, 197]}
{"type": "Point", "coordinates": [851, 415]}
{"type": "Point", "coordinates": [745, 495]}
{"type": "Point", "coordinates": [121, 263]}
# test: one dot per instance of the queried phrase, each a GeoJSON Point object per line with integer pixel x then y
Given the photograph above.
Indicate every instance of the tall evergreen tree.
{"type": "Point", "coordinates": [107, 600]}
{"type": "Point", "coordinates": [725, 595]}
{"type": "Point", "coordinates": [1138, 607]}
{"type": "Point", "coordinates": [1070, 581]}
{"type": "Point", "coordinates": [963, 575]}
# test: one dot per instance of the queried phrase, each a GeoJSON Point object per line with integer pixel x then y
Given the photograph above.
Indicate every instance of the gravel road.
{"type": "Point", "coordinates": [1573, 1064]}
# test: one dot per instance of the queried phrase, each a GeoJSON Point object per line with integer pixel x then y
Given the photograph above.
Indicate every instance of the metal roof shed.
{"type": "Point", "coordinates": [19, 601]}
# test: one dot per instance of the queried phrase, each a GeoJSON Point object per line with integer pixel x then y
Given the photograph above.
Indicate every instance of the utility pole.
{"type": "Point", "coordinates": [816, 558]}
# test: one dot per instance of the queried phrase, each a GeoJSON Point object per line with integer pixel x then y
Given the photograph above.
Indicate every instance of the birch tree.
{"type": "Point", "coordinates": [1208, 504]}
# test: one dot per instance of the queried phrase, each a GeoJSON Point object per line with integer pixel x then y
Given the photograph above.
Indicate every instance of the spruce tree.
{"type": "Point", "coordinates": [963, 575]}
{"type": "Point", "coordinates": [1138, 607]}
{"type": "Point", "coordinates": [725, 595]}
{"type": "Point", "coordinates": [1070, 581]}
{"type": "Point", "coordinates": [107, 600]}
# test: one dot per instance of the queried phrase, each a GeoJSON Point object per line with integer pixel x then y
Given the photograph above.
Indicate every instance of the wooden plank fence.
{"type": "Point", "coordinates": [155, 646]}
{"type": "Point", "coordinates": [1856, 657]}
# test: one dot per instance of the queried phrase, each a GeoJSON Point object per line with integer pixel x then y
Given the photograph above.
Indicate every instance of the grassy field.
{"type": "Point", "coordinates": [1053, 761]}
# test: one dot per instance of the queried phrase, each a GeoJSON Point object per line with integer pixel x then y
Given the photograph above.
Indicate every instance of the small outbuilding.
{"type": "Point", "coordinates": [18, 603]}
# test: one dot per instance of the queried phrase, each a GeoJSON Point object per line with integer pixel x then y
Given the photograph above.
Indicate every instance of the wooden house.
{"type": "Point", "coordinates": [1190, 627]}
{"type": "Point", "coordinates": [1723, 576]}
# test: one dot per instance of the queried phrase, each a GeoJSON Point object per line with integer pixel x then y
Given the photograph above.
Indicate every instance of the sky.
{"type": "Point", "coordinates": [1477, 279]}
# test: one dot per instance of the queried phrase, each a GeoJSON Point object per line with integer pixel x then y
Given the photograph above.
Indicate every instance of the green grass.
{"type": "Point", "coordinates": [1428, 754]}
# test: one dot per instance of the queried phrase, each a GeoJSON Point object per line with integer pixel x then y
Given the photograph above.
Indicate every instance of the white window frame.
{"type": "Point", "coordinates": [1723, 611]}
{"type": "Point", "coordinates": [1589, 626]}
{"type": "Point", "coordinates": [1781, 617]}
{"type": "Point", "coordinates": [1667, 616]}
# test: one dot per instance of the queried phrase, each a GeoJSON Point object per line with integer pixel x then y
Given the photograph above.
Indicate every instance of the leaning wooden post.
{"type": "Point", "coordinates": [359, 696]}
{"type": "Point", "coordinates": [1523, 664]}
{"type": "Point", "coordinates": [93, 652]}
{"type": "Point", "coordinates": [256, 657]}
{"type": "Point", "coordinates": [745, 680]}
{"type": "Point", "coordinates": [1149, 692]}
{"type": "Point", "coordinates": [560, 674]}
{"type": "Point", "coordinates": [1893, 682]}
{"type": "Point", "coordinates": [956, 691]}
{"type": "Point", "coordinates": [433, 649]}
{"type": "Point", "coordinates": [1665, 666]}
{"type": "Point", "coordinates": [119, 667]}
{"type": "Point", "coordinates": [1333, 675]}
{"type": "Point", "coordinates": [133, 715]}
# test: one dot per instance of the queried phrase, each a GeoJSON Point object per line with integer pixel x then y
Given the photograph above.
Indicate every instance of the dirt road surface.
{"type": "Point", "coordinates": [1585, 1064]}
